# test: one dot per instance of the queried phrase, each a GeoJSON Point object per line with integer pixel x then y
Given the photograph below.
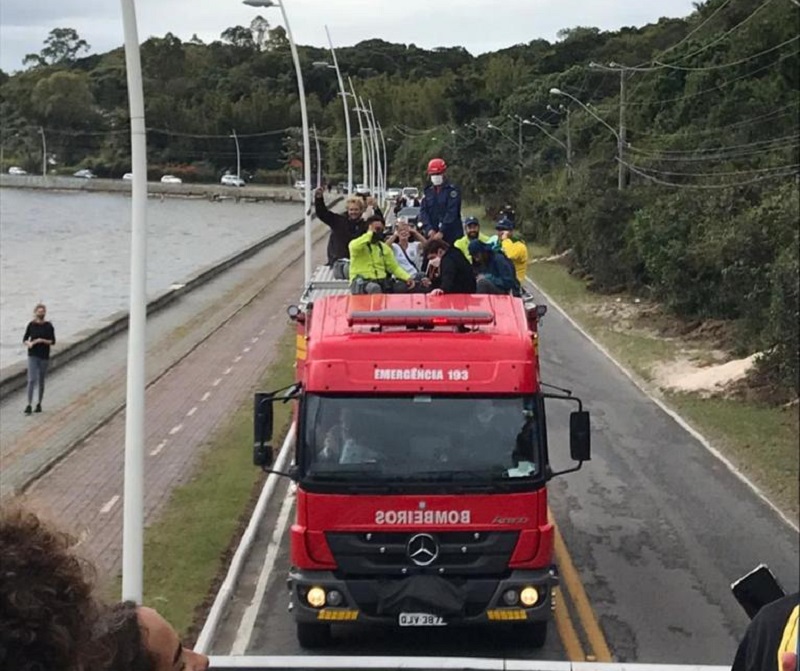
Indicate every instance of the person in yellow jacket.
{"type": "Point", "coordinates": [373, 266]}
{"type": "Point", "coordinates": [769, 644]}
{"type": "Point", "coordinates": [513, 247]}
{"type": "Point", "coordinates": [472, 231]}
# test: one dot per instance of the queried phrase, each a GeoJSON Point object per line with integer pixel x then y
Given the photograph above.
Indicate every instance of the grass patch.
{"type": "Point", "coordinates": [188, 546]}
{"type": "Point", "coordinates": [761, 440]}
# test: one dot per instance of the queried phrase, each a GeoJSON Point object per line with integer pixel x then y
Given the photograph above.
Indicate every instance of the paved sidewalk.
{"type": "Point", "coordinates": [84, 393]}
{"type": "Point", "coordinates": [83, 492]}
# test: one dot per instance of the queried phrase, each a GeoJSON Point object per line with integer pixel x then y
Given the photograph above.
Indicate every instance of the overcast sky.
{"type": "Point", "coordinates": [478, 25]}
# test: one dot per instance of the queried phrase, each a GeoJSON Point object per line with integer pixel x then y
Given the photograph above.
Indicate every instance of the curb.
{"type": "Point", "coordinates": [14, 376]}
{"type": "Point", "coordinates": [699, 437]}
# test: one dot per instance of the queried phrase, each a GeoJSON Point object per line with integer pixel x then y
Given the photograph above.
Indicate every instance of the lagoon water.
{"type": "Point", "coordinates": [71, 251]}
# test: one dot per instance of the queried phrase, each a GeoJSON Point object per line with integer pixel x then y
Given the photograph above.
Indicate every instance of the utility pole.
{"type": "Point", "coordinates": [623, 132]}
{"type": "Point", "coordinates": [569, 144]}
{"type": "Point", "coordinates": [44, 152]}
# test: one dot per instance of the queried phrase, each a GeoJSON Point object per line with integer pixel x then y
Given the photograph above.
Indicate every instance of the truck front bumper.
{"type": "Point", "coordinates": [363, 601]}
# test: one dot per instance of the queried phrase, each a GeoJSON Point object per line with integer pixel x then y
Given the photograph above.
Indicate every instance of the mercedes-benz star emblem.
{"type": "Point", "coordinates": [422, 549]}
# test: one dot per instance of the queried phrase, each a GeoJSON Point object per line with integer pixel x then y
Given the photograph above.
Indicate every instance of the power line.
{"type": "Point", "coordinates": [634, 169]}
{"type": "Point", "coordinates": [733, 63]}
{"type": "Point", "coordinates": [760, 143]}
{"type": "Point", "coordinates": [781, 168]}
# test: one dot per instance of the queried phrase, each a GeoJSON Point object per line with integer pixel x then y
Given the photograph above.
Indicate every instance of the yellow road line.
{"type": "Point", "coordinates": [572, 582]}
{"type": "Point", "coordinates": [566, 630]}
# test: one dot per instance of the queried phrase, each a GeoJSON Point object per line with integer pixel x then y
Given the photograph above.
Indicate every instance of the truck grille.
{"type": "Point", "coordinates": [450, 554]}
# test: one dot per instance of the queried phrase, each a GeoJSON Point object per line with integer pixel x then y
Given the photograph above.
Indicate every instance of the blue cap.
{"type": "Point", "coordinates": [471, 221]}
{"type": "Point", "coordinates": [476, 247]}
{"type": "Point", "coordinates": [504, 224]}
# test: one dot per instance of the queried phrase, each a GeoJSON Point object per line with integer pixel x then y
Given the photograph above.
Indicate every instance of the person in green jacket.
{"type": "Point", "coordinates": [373, 266]}
{"type": "Point", "coordinates": [472, 231]}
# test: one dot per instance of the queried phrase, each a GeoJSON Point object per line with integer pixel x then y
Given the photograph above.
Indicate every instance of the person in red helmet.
{"type": "Point", "coordinates": [440, 209]}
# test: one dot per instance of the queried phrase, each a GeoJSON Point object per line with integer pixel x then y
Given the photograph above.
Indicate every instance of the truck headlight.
{"type": "Point", "coordinates": [510, 597]}
{"type": "Point", "coordinates": [335, 598]}
{"type": "Point", "coordinates": [529, 596]}
{"type": "Point", "coordinates": [316, 597]}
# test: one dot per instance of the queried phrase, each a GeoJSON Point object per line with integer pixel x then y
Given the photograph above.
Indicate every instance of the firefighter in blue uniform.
{"type": "Point", "coordinates": [440, 209]}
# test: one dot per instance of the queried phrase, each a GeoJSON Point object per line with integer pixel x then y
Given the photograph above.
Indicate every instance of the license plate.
{"type": "Point", "coordinates": [421, 620]}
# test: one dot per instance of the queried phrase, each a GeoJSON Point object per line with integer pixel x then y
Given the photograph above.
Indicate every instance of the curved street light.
{"type": "Point", "coordinates": [306, 137]}
{"type": "Point", "coordinates": [133, 502]}
{"type": "Point", "coordinates": [357, 110]}
{"type": "Point", "coordinates": [343, 93]}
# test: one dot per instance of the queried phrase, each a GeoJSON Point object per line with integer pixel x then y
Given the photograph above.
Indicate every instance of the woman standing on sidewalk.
{"type": "Point", "coordinates": [39, 337]}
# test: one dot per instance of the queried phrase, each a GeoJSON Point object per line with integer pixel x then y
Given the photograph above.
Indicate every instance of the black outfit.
{"type": "Point", "coordinates": [37, 330]}
{"type": "Point", "coordinates": [759, 648]}
{"type": "Point", "coordinates": [455, 274]}
{"type": "Point", "coordinates": [343, 231]}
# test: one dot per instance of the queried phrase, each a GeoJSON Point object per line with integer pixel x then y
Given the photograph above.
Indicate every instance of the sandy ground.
{"type": "Point", "coordinates": [685, 375]}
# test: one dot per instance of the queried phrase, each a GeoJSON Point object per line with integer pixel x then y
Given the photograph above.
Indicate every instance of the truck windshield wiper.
{"type": "Point", "coordinates": [460, 476]}
{"type": "Point", "coordinates": [341, 474]}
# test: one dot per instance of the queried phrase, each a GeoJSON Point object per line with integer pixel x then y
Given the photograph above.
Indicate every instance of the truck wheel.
{"type": "Point", "coordinates": [532, 633]}
{"type": "Point", "coordinates": [313, 636]}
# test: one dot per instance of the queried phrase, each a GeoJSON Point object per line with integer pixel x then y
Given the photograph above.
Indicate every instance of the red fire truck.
{"type": "Point", "coordinates": [421, 463]}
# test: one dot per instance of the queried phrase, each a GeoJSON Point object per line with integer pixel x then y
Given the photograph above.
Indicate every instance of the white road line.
{"type": "Point", "coordinates": [237, 359]}
{"type": "Point", "coordinates": [216, 382]}
{"type": "Point", "coordinates": [246, 349]}
{"type": "Point", "coordinates": [227, 371]}
{"type": "Point", "coordinates": [175, 429]}
{"type": "Point", "coordinates": [255, 340]}
{"type": "Point", "coordinates": [108, 506]}
{"type": "Point", "coordinates": [674, 415]}
{"type": "Point", "coordinates": [192, 411]}
{"type": "Point", "coordinates": [262, 332]}
{"type": "Point", "coordinates": [205, 397]}
{"type": "Point", "coordinates": [157, 449]}
{"type": "Point", "coordinates": [245, 631]}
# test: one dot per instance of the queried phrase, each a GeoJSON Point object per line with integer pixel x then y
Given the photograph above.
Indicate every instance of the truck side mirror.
{"type": "Point", "coordinates": [580, 436]}
{"type": "Point", "coordinates": [263, 419]}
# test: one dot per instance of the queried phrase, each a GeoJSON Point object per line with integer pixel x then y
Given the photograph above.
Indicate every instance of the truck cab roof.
{"type": "Point", "coordinates": [405, 343]}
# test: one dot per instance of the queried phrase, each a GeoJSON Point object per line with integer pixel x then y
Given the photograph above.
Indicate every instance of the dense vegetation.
{"type": "Point", "coordinates": [707, 223]}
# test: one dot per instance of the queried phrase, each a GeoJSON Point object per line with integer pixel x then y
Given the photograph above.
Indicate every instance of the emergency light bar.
{"type": "Point", "coordinates": [420, 318]}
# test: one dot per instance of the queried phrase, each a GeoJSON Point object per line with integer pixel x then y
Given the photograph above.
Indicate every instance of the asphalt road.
{"type": "Point", "coordinates": [656, 526]}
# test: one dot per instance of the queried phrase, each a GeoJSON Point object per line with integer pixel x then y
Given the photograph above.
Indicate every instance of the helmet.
{"type": "Point", "coordinates": [471, 221]}
{"type": "Point", "coordinates": [436, 166]}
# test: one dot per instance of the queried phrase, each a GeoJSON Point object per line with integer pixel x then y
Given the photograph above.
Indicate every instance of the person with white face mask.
{"type": "Point", "coordinates": [440, 209]}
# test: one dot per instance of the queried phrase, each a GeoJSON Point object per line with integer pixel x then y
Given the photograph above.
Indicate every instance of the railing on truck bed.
{"type": "Point", "coordinates": [312, 663]}
{"type": "Point", "coordinates": [323, 284]}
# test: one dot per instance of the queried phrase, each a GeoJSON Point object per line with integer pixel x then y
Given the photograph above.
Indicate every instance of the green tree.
{"type": "Point", "coordinates": [61, 47]}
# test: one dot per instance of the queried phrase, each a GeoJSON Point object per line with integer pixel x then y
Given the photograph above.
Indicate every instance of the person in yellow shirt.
{"type": "Point", "coordinates": [513, 247]}
{"type": "Point", "coordinates": [472, 231]}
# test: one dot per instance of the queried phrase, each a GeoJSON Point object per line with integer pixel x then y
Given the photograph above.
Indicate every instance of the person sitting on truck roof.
{"type": "Point", "coordinates": [449, 270]}
{"type": "Point", "coordinates": [472, 231]}
{"type": "Point", "coordinates": [408, 252]}
{"type": "Point", "coordinates": [494, 272]}
{"type": "Point", "coordinates": [513, 247]}
{"type": "Point", "coordinates": [373, 266]}
{"type": "Point", "coordinates": [344, 228]}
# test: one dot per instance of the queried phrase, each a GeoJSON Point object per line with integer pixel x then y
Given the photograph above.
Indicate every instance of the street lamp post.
{"type": "Point", "coordinates": [621, 143]}
{"type": "Point", "coordinates": [370, 150]}
{"type": "Point", "coordinates": [44, 151]}
{"type": "Point", "coordinates": [133, 512]}
{"type": "Point", "coordinates": [361, 133]}
{"type": "Point", "coordinates": [568, 114]}
{"type": "Point", "coordinates": [385, 163]}
{"type": "Point", "coordinates": [319, 157]}
{"type": "Point", "coordinates": [379, 185]}
{"type": "Point", "coordinates": [343, 93]}
{"type": "Point", "coordinates": [238, 155]}
{"type": "Point", "coordinates": [306, 139]}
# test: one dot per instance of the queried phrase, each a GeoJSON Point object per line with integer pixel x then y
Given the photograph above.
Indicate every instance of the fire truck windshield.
{"type": "Point", "coordinates": [390, 439]}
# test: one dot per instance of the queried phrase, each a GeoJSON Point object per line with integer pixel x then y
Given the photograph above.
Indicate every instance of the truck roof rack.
{"type": "Point", "coordinates": [420, 318]}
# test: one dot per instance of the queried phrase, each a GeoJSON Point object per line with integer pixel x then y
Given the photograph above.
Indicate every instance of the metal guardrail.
{"type": "Point", "coordinates": [311, 663]}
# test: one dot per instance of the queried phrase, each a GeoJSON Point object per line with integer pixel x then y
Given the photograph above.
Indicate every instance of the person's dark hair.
{"type": "Point", "coordinates": [433, 247]}
{"type": "Point", "coordinates": [123, 638]}
{"type": "Point", "coordinates": [375, 217]}
{"type": "Point", "coordinates": [47, 612]}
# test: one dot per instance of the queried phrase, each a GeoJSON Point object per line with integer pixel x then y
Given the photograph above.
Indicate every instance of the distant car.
{"type": "Point", "coordinates": [84, 174]}
{"type": "Point", "coordinates": [361, 190]}
{"type": "Point", "coordinates": [411, 192]}
{"type": "Point", "coordinates": [300, 185]}
{"type": "Point", "coordinates": [15, 170]}
{"type": "Point", "coordinates": [171, 179]}
{"type": "Point", "coordinates": [409, 214]}
{"type": "Point", "coordinates": [232, 180]}
{"type": "Point", "coordinates": [128, 176]}
{"type": "Point", "coordinates": [394, 192]}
